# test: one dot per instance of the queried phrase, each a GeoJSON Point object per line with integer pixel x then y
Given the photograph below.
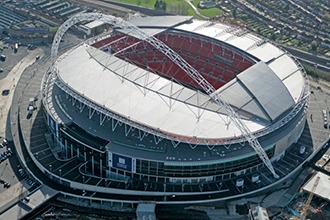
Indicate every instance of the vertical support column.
{"type": "Point", "coordinates": [101, 167]}
{"type": "Point", "coordinates": [92, 165]}
{"type": "Point", "coordinates": [85, 158]}
{"type": "Point", "coordinates": [58, 142]}
{"type": "Point", "coordinates": [77, 151]}
{"type": "Point", "coordinates": [66, 148]}
{"type": "Point", "coordinates": [71, 150]}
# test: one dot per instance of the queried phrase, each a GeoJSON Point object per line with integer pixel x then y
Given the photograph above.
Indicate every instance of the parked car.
{"type": "Point", "coordinates": [4, 142]}
{"type": "Point", "coordinates": [5, 92]}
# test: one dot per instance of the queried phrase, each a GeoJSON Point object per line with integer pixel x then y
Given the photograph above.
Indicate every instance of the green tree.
{"type": "Point", "coordinates": [314, 45]}
{"type": "Point", "coordinates": [235, 13]}
{"type": "Point", "coordinates": [326, 17]}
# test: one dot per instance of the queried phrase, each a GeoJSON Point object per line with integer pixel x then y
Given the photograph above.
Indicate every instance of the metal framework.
{"type": "Point", "coordinates": [309, 199]}
{"type": "Point", "coordinates": [177, 59]}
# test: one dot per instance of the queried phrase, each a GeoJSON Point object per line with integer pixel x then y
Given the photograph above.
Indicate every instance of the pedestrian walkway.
{"type": "Point", "coordinates": [27, 204]}
{"type": "Point", "coordinates": [18, 191]}
{"type": "Point", "coordinates": [9, 83]}
{"type": "Point", "coordinates": [196, 9]}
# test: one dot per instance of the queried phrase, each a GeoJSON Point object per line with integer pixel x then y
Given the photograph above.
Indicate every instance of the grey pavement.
{"type": "Point", "coordinates": [8, 168]}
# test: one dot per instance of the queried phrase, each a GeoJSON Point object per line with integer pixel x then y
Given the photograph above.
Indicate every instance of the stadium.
{"type": "Point", "coordinates": [173, 110]}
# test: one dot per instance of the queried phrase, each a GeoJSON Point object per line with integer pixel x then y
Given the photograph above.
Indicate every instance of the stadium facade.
{"type": "Point", "coordinates": [143, 130]}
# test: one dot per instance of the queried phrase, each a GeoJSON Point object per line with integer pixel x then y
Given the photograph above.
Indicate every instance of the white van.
{"type": "Point", "coordinates": [30, 110]}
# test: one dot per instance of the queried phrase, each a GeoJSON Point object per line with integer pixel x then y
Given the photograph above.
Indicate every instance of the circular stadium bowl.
{"type": "Point", "coordinates": [143, 128]}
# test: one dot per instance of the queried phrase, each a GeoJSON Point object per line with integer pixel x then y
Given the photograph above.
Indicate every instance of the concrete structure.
{"type": "Point", "coordinates": [134, 128]}
{"type": "Point", "coordinates": [145, 125]}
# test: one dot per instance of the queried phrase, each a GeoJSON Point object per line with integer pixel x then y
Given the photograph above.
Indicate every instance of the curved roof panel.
{"type": "Point", "coordinates": [260, 94]}
{"type": "Point", "coordinates": [268, 90]}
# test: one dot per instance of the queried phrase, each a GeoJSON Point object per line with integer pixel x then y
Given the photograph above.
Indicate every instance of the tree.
{"type": "Point", "coordinates": [314, 45]}
{"type": "Point", "coordinates": [160, 5]}
{"type": "Point", "coordinates": [235, 13]}
{"type": "Point", "coordinates": [326, 17]}
{"type": "Point", "coordinates": [156, 6]}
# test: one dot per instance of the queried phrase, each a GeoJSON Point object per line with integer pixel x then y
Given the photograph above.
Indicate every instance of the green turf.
{"type": "Point", "coordinates": [177, 7]}
{"type": "Point", "coordinates": [211, 12]}
{"type": "Point", "coordinates": [143, 3]}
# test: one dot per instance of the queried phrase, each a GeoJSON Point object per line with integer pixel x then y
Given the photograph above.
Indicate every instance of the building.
{"type": "Point", "coordinates": [140, 129]}
{"type": "Point", "coordinates": [258, 213]}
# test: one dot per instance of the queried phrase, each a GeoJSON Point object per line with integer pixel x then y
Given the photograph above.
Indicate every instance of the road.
{"type": "Point", "coordinates": [9, 82]}
{"type": "Point", "coordinates": [312, 58]}
{"type": "Point", "coordinates": [122, 7]}
{"type": "Point", "coordinates": [8, 168]}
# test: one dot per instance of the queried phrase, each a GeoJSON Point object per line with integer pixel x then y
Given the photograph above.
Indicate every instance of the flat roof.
{"type": "Point", "coordinates": [322, 189]}
{"type": "Point", "coordinates": [93, 24]}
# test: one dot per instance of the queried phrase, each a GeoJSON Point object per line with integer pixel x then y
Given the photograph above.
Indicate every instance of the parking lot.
{"type": "Point", "coordinates": [10, 185]}
{"type": "Point", "coordinates": [5, 155]}
{"type": "Point", "coordinates": [12, 58]}
{"type": "Point", "coordinates": [14, 182]}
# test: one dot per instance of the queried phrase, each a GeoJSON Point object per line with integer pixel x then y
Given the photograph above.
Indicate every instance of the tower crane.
{"type": "Point", "coordinates": [309, 199]}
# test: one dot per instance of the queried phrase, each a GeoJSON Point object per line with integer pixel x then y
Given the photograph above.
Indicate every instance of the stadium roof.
{"type": "Point", "coordinates": [259, 90]}
{"type": "Point", "coordinates": [278, 60]}
{"type": "Point", "coordinates": [260, 94]}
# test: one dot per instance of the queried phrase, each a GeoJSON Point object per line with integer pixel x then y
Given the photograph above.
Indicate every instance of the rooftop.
{"type": "Point", "coordinates": [261, 93]}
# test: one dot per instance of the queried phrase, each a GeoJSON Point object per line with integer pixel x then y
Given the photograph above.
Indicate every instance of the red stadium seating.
{"type": "Point", "coordinates": [215, 61]}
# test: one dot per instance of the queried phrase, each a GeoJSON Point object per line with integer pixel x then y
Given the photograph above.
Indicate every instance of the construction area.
{"type": "Point", "coordinates": [311, 202]}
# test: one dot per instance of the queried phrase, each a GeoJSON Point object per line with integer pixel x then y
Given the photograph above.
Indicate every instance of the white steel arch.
{"type": "Point", "coordinates": [177, 59]}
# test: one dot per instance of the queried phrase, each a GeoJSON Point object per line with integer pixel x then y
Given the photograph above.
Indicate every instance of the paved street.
{"type": "Point", "coordinates": [9, 167]}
